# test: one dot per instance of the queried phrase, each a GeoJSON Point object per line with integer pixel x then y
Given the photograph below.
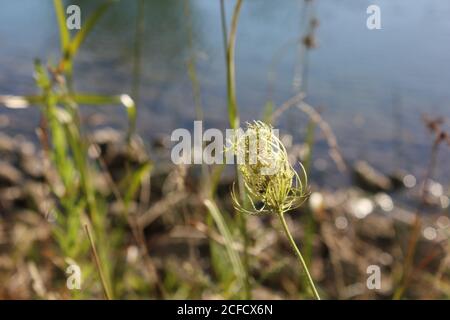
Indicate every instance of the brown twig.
{"type": "Point", "coordinates": [315, 116]}
{"type": "Point", "coordinates": [434, 125]}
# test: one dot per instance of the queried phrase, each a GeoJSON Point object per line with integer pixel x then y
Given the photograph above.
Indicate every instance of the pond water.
{"type": "Point", "coordinates": [372, 86]}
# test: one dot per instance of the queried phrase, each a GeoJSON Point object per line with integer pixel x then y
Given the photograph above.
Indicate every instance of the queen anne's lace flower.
{"type": "Point", "coordinates": [269, 179]}
{"type": "Point", "coordinates": [268, 176]}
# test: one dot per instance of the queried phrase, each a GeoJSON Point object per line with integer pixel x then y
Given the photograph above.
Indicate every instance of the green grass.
{"type": "Point", "coordinates": [78, 206]}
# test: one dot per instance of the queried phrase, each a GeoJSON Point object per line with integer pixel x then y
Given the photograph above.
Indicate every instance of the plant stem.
{"type": "Point", "coordinates": [233, 113]}
{"type": "Point", "coordinates": [408, 265]}
{"type": "Point", "coordinates": [231, 78]}
{"type": "Point", "coordinates": [105, 285]}
{"type": "Point", "coordinates": [299, 255]}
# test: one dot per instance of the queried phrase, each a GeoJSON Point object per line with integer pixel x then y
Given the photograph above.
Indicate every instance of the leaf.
{"type": "Point", "coordinates": [231, 78]}
{"type": "Point", "coordinates": [64, 34]}
{"type": "Point", "coordinates": [41, 76]}
{"type": "Point", "coordinates": [99, 100]}
{"type": "Point", "coordinates": [134, 181]}
{"type": "Point", "coordinates": [87, 28]}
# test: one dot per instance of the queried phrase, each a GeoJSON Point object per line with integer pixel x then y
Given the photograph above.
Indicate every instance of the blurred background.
{"type": "Point", "coordinates": [383, 93]}
{"type": "Point", "coordinates": [370, 84]}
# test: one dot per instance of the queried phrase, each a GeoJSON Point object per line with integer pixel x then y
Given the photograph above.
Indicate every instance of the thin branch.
{"type": "Point", "coordinates": [315, 116]}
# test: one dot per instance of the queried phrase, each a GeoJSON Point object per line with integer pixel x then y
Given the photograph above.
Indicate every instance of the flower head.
{"type": "Point", "coordinates": [267, 174]}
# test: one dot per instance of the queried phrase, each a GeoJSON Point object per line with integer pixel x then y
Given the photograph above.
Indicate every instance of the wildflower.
{"type": "Point", "coordinates": [268, 176]}
{"type": "Point", "coordinates": [270, 179]}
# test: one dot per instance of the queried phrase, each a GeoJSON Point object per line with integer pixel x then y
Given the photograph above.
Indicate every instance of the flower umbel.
{"type": "Point", "coordinates": [268, 177]}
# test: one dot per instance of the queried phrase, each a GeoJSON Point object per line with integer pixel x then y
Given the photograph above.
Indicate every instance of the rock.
{"type": "Point", "coordinates": [117, 154]}
{"type": "Point", "coordinates": [9, 175]}
{"type": "Point", "coordinates": [398, 179]}
{"type": "Point", "coordinates": [11, 198]}
{"type": "Point", "coordinates": [4, 121]}
{"type": "Point", "coordinates": [8, 152]}
{"type": "Point", "coordinates": [341, 250]}
{"type": "Point", "coordinates": [33, 166]}
{"type": "Point", "coordinates": [6, 144]}
{"type": "Point", "coordinates": [106, 137]}
{"type": "Point", "coordinates": [368, 178]}
{"type": "Point", "coordinates": [377, 229]}
{"type": "Point", "coordinates": [360, 207]}
{"type": "Point", "coordinates": [161, 142]}
{"type": "Point", "coordinates": [38, 197]}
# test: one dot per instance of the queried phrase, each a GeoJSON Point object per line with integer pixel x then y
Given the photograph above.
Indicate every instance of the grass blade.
{"type": "Point", "coordinates": [87, 27]}
{"type": "Point", "coordinates": [226, 234]}
{"type": "Point", "coordinates": [64, 34]}
{"type": "Point", "coordinates": [231, 77]}
{"type": "Point", "coordinates": [134, 181]}
{"type": "Point", "coordinates": [233, 115]}
{"type": "Point", "coordinates": [99, 100]}
{"type": "Point", "coordinates": [106, 289]}
{"type": "Point", "coordinates": [71, 47]}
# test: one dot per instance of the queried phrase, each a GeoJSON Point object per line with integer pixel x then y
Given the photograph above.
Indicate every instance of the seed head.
{"type": "Point", "coordinates": [268, 177]}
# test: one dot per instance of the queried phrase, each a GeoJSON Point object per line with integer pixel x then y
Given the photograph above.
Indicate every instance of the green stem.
{"type": "Point", "coordinates": [233, 113]}
{"type": "Point", "coordinates": [299, 255]}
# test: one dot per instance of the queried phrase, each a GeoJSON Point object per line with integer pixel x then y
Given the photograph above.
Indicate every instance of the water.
{"type": "Point", "coordinates": [371, 86]}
